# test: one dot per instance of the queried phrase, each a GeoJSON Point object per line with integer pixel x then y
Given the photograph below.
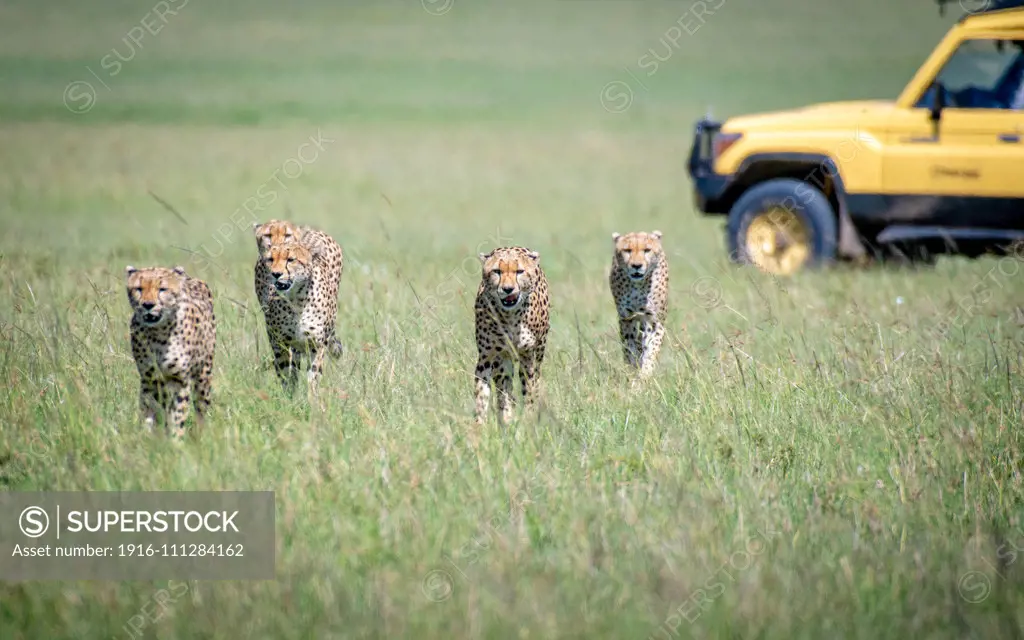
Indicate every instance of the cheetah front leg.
{"type": "Point", "coordinates": [529, 372]}
{"type": "Point", "coordinates": [504, 386]}
{"type": "Point", "coordinates": [336, 348]}
{"type": "Point", "coordinates": [316, 366]}
{"type": "Point", "coordinates": [176, 397]}
{"type": "Point", "coordinates": [484, 373]}
{"type": "Point", "coordinates": [652, 338]}
{"type": "Point", "coordinates": [286, 365]}
{"type": "Point", "coordinates": [202, 390]}
{"type": "Point", "coordinates": [149, 403]}
{"type": "Point", "coordinates": [628, 330]}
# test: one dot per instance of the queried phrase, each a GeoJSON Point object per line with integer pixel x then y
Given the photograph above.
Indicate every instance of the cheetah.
{"type": "Point", "coordinates": [173, 338]}
{"type": "Point", "coordinates": [512, 319]}
{"type": "Point", "coordinates": [322, 246]}
{"type": "Point", "coordinates": [639, 285]}
{"type": "Point", "coordinates": [298, 292]}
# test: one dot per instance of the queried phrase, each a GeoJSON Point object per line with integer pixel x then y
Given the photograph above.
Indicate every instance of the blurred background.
{"type": "Point", "coordinates": [868, 470]}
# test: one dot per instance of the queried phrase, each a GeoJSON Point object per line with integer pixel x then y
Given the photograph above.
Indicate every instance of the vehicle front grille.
{"type": "Point", "coordinates": [702, 153]}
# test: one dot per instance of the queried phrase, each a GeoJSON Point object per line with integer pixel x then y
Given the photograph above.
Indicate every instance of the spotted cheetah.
{"type": "Point", "coordinates": [298, 292]}
{"type": "Point", "coordinates": [639, 284]}
{"type": "Point", "coordinates": [321, 245]}
{"type": "Point", "coordinates": [512, 318]}
{"type": "Point", "coordinates": [173, 338]}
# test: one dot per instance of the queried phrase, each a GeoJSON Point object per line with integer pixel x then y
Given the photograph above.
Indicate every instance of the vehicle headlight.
{"type": "Point", "coordinates": [723, 141]}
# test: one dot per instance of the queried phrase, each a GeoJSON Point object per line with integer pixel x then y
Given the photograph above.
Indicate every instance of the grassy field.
{"type": "Point", "coordinates": [816, 457]}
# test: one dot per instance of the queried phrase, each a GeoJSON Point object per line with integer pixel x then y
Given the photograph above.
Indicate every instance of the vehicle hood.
{"type": "Point", "coordinates": [822, 115]}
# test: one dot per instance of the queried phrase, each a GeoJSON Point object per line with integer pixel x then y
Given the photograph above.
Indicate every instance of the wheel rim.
{"type": "Point", "coordinates": [778, 241]}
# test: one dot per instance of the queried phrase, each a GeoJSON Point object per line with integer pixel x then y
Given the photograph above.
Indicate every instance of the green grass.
{"type": "Point", "coordinates": [882, 463]}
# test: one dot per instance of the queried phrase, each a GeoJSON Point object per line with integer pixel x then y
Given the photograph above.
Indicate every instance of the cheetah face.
{"type": "Point", "coordinates": [154, 292]}
{"type": "Point", "coordinates": [289, 266]}
{"type": "Point", "coordinates": [637, 254]}
{"type": "Point", "coordinates": [274, 232]}
{"type": "Point", "coordinates": [509, 274]}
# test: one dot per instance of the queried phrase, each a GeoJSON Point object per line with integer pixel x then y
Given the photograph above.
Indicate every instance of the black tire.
{"type": "Point", "coordinates": [803, 199]}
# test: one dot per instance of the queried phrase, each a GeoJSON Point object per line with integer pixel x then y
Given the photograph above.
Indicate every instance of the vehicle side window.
{"type": "Point", "coordinates": [983, 73]}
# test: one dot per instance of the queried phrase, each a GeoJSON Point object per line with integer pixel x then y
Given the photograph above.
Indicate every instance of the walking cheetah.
{"type": "Point", "coordinates": [512, 309]}
{"type": "Point", "coordinates": [322, 247]}
{"type": "Point", "coordinates": [639, 284]}
{"type": "Point", "coordinates": [298, 293]}
{"type": "Point", "coordinates": [173, 338]}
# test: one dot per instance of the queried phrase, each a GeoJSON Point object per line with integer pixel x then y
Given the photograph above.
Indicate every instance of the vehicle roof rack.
{"type": "Point", "coordinates": [984, 6]}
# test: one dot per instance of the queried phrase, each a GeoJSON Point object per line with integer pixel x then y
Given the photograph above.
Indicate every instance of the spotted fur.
{"type": "Point", "coordinates": [173, 339]}
{"type": "Point", "coordinates": [296, 281]}
{"type": "Point", "coordinates": [512, 319]}
{"type": "Point", "coordinates": [639, 286]}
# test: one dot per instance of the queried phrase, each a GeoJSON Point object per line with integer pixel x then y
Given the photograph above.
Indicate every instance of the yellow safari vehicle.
{"type": "Point", "coordinates": [938, 170]}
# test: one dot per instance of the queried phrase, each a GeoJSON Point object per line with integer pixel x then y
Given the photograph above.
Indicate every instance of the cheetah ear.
{"type": "Point", "coordinates": [483, 256]}
{"type": "Point", "coordinates": [616, 236]}
{"type": "Point", "coordinates": [129, 270]}
{"type": "Point", "coordinates": [255, 228]}
{"type": "Point", "coordinates": [656, 234]}
{"type": "Point", "coordinates": [180, 270]}
{"type": "Point", "coordinates": [533, 256]}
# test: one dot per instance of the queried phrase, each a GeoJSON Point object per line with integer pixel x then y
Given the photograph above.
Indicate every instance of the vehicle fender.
{"type": "Point", "coordinates": [822, 168]}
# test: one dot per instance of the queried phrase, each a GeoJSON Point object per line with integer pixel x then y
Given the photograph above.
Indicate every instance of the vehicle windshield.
{"type": "Point", "coordinates": [980, 63]}
{"type": "Point", "coordinates": [983, 73]}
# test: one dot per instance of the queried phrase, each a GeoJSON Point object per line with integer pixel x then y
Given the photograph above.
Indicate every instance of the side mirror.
{"type": "Point", "coordinates": [938, 102]}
